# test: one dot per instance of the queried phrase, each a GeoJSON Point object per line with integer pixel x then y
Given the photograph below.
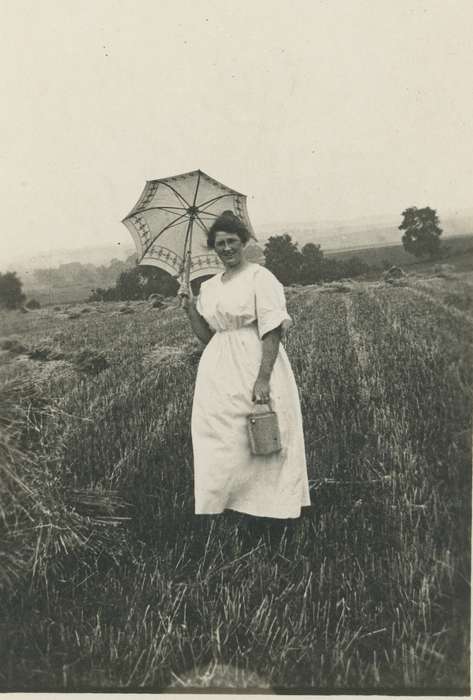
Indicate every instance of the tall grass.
{"type": "Point", "coordinates": [367, 591]}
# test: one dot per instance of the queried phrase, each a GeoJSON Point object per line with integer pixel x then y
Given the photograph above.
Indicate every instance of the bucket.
{"type": "Point", "coordinates": [263, 430]}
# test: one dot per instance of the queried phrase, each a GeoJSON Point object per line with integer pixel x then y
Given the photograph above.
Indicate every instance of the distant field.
{"type": "Point", "coordinates": [460, 253]}
{"type": "Point", "coordinates": [59, 295]}
{"type": "Point", "coordinates": [370, 592]}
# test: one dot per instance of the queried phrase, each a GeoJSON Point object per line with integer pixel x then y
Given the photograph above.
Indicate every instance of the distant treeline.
{"type": "Point", "coordinates": [123, 280]}
{"type": "Point", "coordinates": [283, 258]}
{"type": "Point", "coordinates": [75, 273]}
{"type": "Point", "coordinates": [309, 264]}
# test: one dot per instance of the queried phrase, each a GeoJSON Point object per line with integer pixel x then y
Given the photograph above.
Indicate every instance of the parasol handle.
{"type": "Point", "coordinates": [187, 269]}
{"type": "Point", "coordinates": [185, 281]}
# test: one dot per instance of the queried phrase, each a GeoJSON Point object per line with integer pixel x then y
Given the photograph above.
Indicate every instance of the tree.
{"type": "Point", "coordinates": [311, 271]}
{"type": "Point", "coordinates": [283, 258]}
{"type": "Point", "coordinates": [355, 266]}
{"type": "Point", "coordinates": [332, 269]}
{"type": "Point", "coordinates": [138, 283]}
{"type": "Point", "coordinates": [11, 295]}
{"type": "Point", "coordinates": [422, 232]}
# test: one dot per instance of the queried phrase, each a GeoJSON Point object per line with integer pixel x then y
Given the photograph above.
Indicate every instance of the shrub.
{"type": "Point", "coordinates": [394, 273]}
{"type": "Point", "coordinates": [11, 296]}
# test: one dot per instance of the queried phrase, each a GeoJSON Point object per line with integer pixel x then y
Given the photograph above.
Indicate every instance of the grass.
{"type": "Point", "coordinates": [368, 591]}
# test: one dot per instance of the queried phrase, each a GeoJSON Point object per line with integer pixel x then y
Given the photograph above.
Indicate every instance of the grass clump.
{"type": "Point", "coordinates": [90, 361]}
{"type": "Point", "coordinates": [13, 345]}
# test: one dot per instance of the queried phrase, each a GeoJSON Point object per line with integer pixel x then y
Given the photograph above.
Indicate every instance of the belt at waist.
{"type": "Point", "coordinates": [247, 327]}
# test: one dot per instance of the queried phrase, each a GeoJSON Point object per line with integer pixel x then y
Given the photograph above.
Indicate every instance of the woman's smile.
{"type": "Point", "coordinates": [229, 248]}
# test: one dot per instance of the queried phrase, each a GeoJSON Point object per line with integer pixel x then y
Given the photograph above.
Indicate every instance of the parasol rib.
{"type": "Point", "coordinates": [170, 225]}
{"type": "Point", "coordinates": [168, 209]}
{"type": "Point", "coordinates": [201, 223]}
{"type": "Point", "coordinates": [188, 241]}
{"type": "Point", "coordinates": [215, 199]}
{"type": "Point", "coordinates": [196, 189]}
{"type": "Point", "coordinates": [178, 194]}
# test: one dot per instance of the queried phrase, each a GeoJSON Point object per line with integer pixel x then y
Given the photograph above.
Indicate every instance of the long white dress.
{"type": "Point", "coordinates": [226, 474]}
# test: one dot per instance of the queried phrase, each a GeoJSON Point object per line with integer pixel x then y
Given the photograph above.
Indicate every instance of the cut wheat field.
{"type": "Point", "coordinates": [110, 582]}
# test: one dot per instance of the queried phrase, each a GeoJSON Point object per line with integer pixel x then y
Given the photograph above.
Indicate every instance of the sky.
{"type": "Point", "coordinates": [315, 109]}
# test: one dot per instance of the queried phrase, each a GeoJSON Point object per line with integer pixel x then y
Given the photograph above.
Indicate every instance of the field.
{"type": "Point", "coordinates": [109, 580]}
{"type": "Point", "coordinates": [59, 295]}
{"type": "Point", "coordinates": [459, 251]}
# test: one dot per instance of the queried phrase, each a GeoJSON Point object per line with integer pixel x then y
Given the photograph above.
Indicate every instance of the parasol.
{"type": "Point", "coordinates": [170, 221]}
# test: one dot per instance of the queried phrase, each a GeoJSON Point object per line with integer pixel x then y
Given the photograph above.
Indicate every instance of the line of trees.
{"type": "Point", "coordinates": [283, 258]}
{"type": "Point", "coordinates": [75, 273]}
{"type": "Point", "coordinates": [137, 283]}
{"type": "Point", "coordinates": [127, 281]}
{"type": "Point", "coordinates": [308, 265]}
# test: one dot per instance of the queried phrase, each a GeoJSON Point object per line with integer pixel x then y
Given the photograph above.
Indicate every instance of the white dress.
{"type": "Point", "coordinates": [226, 474]}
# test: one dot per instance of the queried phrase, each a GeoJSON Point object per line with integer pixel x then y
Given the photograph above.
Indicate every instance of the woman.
{"type": "Point", "coordinates": [239, 315]}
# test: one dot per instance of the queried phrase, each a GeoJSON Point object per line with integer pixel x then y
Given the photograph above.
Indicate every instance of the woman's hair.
{"type": "Point", "coordinates": [229, 223]}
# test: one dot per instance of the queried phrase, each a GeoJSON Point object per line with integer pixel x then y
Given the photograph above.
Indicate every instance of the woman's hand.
{"type": "Point", "coordinates": [261, 391]}
{"type": "Point", "coordinates": [186, 297]}
{"type": "Point", "coordinates": [285, 326]}
{"type": "Point", "coordinates": [270, 344]}
{"type": "Point", "coordinates": [199, 325]}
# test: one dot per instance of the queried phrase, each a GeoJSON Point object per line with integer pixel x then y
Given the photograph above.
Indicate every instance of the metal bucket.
{"type": "Point", "coordinates": [263, 430]}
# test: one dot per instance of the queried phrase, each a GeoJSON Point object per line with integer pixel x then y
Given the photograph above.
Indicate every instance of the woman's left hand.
{"type": "Point", "coordinates": [261, 391]}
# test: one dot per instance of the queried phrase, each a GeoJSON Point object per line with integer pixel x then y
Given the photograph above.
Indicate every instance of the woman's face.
{"type": "Point", "coordinates": [229, 248]}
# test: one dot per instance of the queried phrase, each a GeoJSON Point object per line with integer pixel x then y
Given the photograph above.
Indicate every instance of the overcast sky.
{"type": "Point", "coordinates": [315, 110]}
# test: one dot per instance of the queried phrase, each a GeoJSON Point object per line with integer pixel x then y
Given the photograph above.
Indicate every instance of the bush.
{"type": "Point", "coordinates": [138, 284]}
{"type": "Point", "coordinates": [444, 269]}
{"type": "Point", "coordinates": [394, 273]}
{"type": "Point", "coordinates": [11, 296]}
{"type": "Point", "coordinates": [33, 304]}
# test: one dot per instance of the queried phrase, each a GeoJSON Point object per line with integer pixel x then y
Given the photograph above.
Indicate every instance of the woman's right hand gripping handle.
{"type": "Point", "coordinates": [186, 297]}
{"type": "Point", "coordinates": [198, 323]}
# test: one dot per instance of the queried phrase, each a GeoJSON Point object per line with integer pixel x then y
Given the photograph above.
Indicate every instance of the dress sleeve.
{"type": "Point", "coordinates": [199, 302]}
{"type": "Point", "coordinates": [271, 309]}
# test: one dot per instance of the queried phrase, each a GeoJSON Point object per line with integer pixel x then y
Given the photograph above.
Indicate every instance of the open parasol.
{"type": "Point", "coordinates": [170, 221]}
